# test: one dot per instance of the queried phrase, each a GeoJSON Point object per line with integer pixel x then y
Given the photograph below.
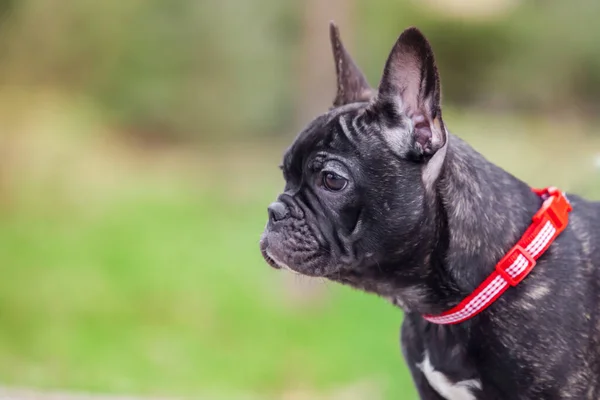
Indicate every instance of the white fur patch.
{"type": "Point", "coordinates": [434, 166]}
{"type": "Point", "coordinates": [448, 390]}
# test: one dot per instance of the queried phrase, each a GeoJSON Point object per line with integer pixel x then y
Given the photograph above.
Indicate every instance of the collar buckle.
{"type": "Point", "coordinates": [556, 208]}
{"type": "Point", "coordinates": [504, 266]}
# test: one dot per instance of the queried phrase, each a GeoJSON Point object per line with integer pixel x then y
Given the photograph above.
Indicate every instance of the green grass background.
{"type": "Point", "coordinates": [139, 271]}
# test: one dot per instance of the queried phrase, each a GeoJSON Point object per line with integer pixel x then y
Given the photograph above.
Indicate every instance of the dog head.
{"type": "Point", "coordinates": [358, 177]}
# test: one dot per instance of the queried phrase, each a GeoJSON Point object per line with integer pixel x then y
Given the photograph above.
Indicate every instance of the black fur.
{"type": "Point", "coordinates": [422, 221]}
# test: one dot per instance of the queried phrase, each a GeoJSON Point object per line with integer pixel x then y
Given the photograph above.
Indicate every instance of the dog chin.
{"type": "Point", "coordinates": [275, 256]}
{"type": "Point", "coordinates": [273, 261]}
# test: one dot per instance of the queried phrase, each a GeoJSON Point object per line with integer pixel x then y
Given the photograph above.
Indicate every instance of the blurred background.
{"type": "Point", "coordinates": [139, 145]}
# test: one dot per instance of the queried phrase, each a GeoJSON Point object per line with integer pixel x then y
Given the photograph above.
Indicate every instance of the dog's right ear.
{"type": "Point", "coordinates": [410, 87]}
{"type": "Point", "coordinates": [352, 86]}
{"type": "Point", "coordinates": [409, 102]}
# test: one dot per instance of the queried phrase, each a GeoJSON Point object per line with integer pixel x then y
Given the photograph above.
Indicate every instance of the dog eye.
{"type": "Point", "coordinates": [334, 182]}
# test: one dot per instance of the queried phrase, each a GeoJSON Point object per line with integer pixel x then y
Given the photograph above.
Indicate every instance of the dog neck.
{"type": "Point", "coordinates": [487, 210]}
{"type": "Point", "coordinates": [476, 213]}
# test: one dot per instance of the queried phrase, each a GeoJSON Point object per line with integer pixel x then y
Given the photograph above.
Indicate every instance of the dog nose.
{"type": "Point", "coordinates": [277, 211]}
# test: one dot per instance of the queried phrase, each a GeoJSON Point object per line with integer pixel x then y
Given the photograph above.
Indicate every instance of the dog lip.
{"type": "Point", "coordinates": [270, 259]}
{"type": "Point", "coordinates": [278, 264]}
{"type": "Point", "coordinates": [263, 250]}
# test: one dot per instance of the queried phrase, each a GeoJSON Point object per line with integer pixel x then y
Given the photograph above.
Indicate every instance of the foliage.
{"type": "Point", "coordinates": [179, 69]}
{"type": "Point", "coordinates": [182, 69]}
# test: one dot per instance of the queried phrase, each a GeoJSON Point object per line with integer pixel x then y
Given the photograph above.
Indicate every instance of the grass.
{"type": "Point", "coordinates": [158, 296]}
{"type": "Point", "coordinates": [145, 276]}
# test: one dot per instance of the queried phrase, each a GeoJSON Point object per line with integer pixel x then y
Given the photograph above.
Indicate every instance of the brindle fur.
{"type": "Point", "coordinates": [424, 236]}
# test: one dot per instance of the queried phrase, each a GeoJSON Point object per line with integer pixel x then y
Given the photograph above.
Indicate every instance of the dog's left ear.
{"type": "Point", "coordinates": [409, 94]}
{"type": "Point", "coordinates": [352, 85]}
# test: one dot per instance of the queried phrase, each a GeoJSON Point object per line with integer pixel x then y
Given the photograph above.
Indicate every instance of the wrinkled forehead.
{"type": "Point", "coordinates": [319, 134]}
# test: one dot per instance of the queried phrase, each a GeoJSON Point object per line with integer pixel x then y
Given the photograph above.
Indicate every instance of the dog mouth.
{"type": "Point", "coordinates": [300, 247]}
{"type": "Point", "coordinates": [277, 264]}
{"type": "Point", "coordinates": [279, 256]}
{"type": "Point", "coordinates": [272, 260]}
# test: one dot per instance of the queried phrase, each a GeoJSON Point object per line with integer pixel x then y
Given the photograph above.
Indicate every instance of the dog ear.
{"type": "Point", "coordinates": [410, 89]}
{"type": "Point", "coordinates": [352, 86]}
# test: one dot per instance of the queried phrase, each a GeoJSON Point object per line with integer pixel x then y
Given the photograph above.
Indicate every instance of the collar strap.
{"type": "Point", "coordinates": [550, 220]}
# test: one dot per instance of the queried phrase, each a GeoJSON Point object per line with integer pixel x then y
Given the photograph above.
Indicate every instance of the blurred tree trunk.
{"type": "Point", "coordinates": [315, 93]}
{"type": "Point", "coordinates": [6, 154]}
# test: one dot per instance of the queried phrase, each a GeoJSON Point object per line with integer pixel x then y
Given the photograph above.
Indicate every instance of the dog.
{"type": "Point", "coordinates": [381, 197]}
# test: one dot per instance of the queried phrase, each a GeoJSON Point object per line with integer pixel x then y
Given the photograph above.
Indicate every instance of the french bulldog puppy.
{"type": "Point", "coordinates": [380, 196]}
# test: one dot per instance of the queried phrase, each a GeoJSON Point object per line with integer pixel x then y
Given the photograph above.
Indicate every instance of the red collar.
{"type": "Point", "coordinates": [550, 220]}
